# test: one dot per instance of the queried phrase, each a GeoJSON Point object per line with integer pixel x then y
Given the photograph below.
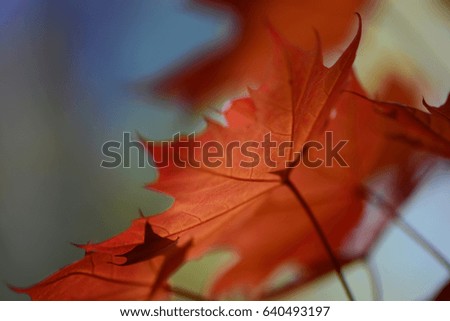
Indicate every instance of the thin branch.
{"type": "Point", "coordinates": [411, 232]}
{"type": "Point", "coordinates": [427, 246]}
{"type": "Point", "coordinates": [374, 276]}
{"type": "Point", "coordinates": [323, 238]}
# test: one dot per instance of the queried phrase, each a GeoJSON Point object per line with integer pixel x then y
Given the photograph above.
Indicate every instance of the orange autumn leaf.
{"type": "Point", "coordinates": [316, 219]}
{"type": "Point", "coordinates": [229, 67]}
{"type": "Point", "coordinates": [428, 130]}
{"type": "Point", "coordinates": [304, 89]}
{"type": "Point", "coordinates": [114, 270]}
{"type": "Point", "coordinates": [343, 199]}
{"type": "Point", "coordinates": [402, 90]}
{"type": "Point", "coordinates": [413, 121]}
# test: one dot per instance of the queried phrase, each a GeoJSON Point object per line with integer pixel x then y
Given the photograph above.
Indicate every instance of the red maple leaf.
{"type": "Point", "coordinates": [228, 67]}
{"type": "Point", "coordinates": [316, 219]}
{"type": "Point", "coordinates": [116, 269]}
{"type": "Point", "coordinates": [428, 130]}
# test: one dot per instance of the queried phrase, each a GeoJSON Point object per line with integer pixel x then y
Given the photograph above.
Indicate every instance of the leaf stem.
{"type": "Point", "coordinates": [323, 238]}
{"type": "Point", "coordinates": [377, 289]}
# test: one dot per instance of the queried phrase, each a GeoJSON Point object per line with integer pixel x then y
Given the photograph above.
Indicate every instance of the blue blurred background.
{"type": "Point", "coordinates": [68, 70]}
{"type": "Point", "coordinates": [68, 75]}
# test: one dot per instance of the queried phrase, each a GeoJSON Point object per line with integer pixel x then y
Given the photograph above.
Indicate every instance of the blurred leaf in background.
{"type": "Point", "coordinates": [68, 71]}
